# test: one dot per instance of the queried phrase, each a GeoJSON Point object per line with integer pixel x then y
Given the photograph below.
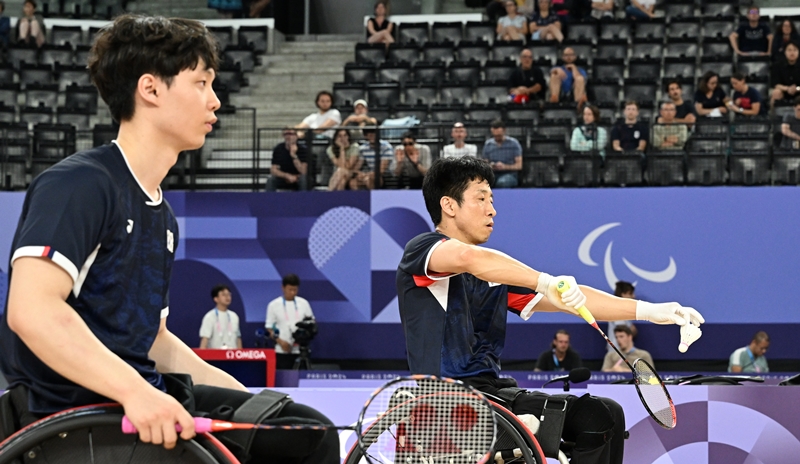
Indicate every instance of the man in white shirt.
{"type": "Point", "coordinates": [220, 327]}
{"type": "Point", "coordinates": [324, 118]}
{"type": "Point", "coordinates": [458, 148]}
{"type": "Point", "coordinates": [283, 313]}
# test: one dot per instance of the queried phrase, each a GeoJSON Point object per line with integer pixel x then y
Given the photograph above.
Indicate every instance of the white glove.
{"type": "Point", "coordinates": [667, 313]}
{"type": "Point", "coordinates": [570, 300]}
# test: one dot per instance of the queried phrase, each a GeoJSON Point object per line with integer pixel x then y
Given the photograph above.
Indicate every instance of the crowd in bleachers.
{"type": "Point", "coordinates": [679, 77]}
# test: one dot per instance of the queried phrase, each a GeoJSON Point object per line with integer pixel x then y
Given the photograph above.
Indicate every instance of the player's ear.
{"type": "Point", "coordinates": [448, 206]}
{"type": "Point", "coordinates": [147, 88]}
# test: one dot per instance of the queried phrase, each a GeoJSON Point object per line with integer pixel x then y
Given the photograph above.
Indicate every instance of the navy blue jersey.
{"type": "Point", "coordinates": [91, 217]}
{"type": "Point", "coordinates": [455, 325]}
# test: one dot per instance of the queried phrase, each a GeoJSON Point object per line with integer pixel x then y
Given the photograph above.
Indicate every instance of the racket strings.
{"type": "Point", "coordinates": [654, 394]}
{"type": "Point", "coordinates": [428, 420]}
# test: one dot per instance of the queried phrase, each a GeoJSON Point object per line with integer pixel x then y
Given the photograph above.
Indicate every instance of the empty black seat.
{"type": "Point", "coordinates": [679, 9]}
{"type": "Point", "coordinates": [55, 54]}
{"type": "Point", "coordinates": [680, 67]}
{"type": "Point", "coordinates": [754, 67]}
{"type": "Point", "coordinates": [418, 111]}
{"type": "Point", "coordinates": [665, 168]}
{"type": "Point", "coordinates": [82, 55]}
{"type": "Point", "coordinates": [649, 30]}
{"type": "Point", "coordinates": [717, 48]}
{"type": "Point", "coordinates": [446, 114]}
{"type": "Point", "coordinates": [253, 36]}
{"type": "Point", "coordinates": [224, 36]}
{"type": "Point", "coordinates": [473, 50]}
{"type": "Point", "coordinates": [45, 95]}
{"type": "Point", "coordinates": [498, 71]}
{"type": "Point", "coordinates": [429, 72]}
{"type": "Point", "coordinates": [786, 168]}
{"type": "Point", "coordinates": [464, 72]}
{"type": "Point", "coordinates": [508, 49]}
{"type": "Point", "coordinates": [346, 94]}
{"type": "Point", "coordinates": [413, 33]}
{"type": "Point", "coordinates": [612, 49]}
{"type": "Point", "coordinates": [484, 113]}
{"type": "Point", "coordinates": [394, 72]}
{"type": "Point", "coordinates": [749, 169]}
{"type": "Point", "coordinates": [447, 32]}
{"type": "Point", "coordinates": [409, 53]}
{"type": "Point", "coordinates": [544, 146]}
{"type": "Point", "coordinates": [482, 31]}
{"type": "Point", "coordinates": [455, 93]}
{"type": "Point", "coordinates": [18, 55]}
{"type": "Point", "coordinates": [82, 98]}
{"type": "Point", "coordinates": [606, 91]}
{"type": "Point", "coordinates": [74, 74]}
{"type": "Point", "coordinates": [615, 30]}
{"type": "Point", "coordinates": [540, 171]}
{"type": "Point", "coordinates": [359, 72]}
{"type": "Point", "coordinates": [491, 92]}
{"type": "Point", "coordinates": [608, 69]}
{"type": "Point", "coordinates": [681, 49]}
{"type": "Point", "coordinates": [7, 115]}
{"type": "Point", "coordinates": [231, 76]}
{"type": "Point", "coordinates": [684, 28]}
{"type": "Point", "coordinates": [647, 49]}
{"type": "Point", "coordinates": [746, 128]}
{"type": "Point", "coordinates": [544, 52]}
{"type": "Point", "coordinates": [522, 114]}
{"type": "Point", "coordinates": [580, 170]}
{"type": "Point", "coordinates": [75, 117]}
{"type": "Point", "coordinates": [371, 53]}
{"type": "Point", "coordinates": [620, 169]}
{"type": "Point", "coordinates": [383, 94]}
{"type": "Point", "coordinates": [705, 169]}
{"type": "Point", "coordinates": [719, 8]}
{"type": "Point", "coordinates": [718, 28]}
{"type": "Point", "coordinates": [9, 92]}
{"type": "Point", "coordinates": [645, 68]}
{"type": "Point", "coordinates": [420, 93]}
{"type": "Point", "coordinates": [438, 52]}
{"type": "Point", "coordinates": [36, 115]}
{"type": "Point", "coordinates": [62, 35]}
{"type": "Point", "coordinates": [582, 31]}
{"type": "Point", "coordinates": [723, 67]}
{"type": "Point", "coordinates": [640, 90]}
{"type": "Point", "coordinates": [244, 56]}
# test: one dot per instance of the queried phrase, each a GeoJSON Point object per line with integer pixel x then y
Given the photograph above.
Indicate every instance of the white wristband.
{"type": "Point", "coordinates": [544, 283]}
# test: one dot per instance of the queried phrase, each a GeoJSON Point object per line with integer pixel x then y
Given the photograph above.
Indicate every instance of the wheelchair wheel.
{"type": "Point", "coordinates": [514, 441]}
{"type": "Point", "coordinates": [92, 435]}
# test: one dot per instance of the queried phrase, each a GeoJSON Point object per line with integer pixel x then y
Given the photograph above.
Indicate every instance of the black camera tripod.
{"type": "Point", "coordinates": [303, 359]}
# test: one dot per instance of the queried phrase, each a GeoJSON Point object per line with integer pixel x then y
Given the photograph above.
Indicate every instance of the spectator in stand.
{"type": "Point", "coordinates": [5, 27]}
{"type": "Point", "coordinates": [602, 9]}
{"type": "Point", "coordinates": [412, 161]}
{"type": "Point", "coordinates": [786, 74]}
{"type": "Point", "coordinates": [588, 136]}
{"type": "Point", "coordinates": [684, 111]}
{"type": "Point", "coordinates": [289, 164]}
{"type": "Point", "coordinates": [641, 9]}
{"type": "Point", "coordinates": [790, 128]}
{"type": "Point", "coordinates": [220, 326]}
{"type": "Point", "coordinates": [568, 79]}
{"type": "Point", "coordinates": [360, 116]}
{"type": "Point", "coordinates": [630, 134]}
{"type": "Point", "coordinates": [504, 154]}
{"type": "Point", "coordinates": [545, 24]}
{"type": "Point", "coordinates": [560, 356]}
{"type": "Point", "coordinates": [379, 28]}
{"type": "Point", "coordinates": [622, 289]}
{"type": "Point", "coordinates": [709, 99]}
{"type": "Point", "coordinates": [786, 32]}
{"type": "Point", "coordinates": [459, 148]}
{"type": "Point", "coordinates": [751, 358]}
{"type": "Point", "coordinates": [346, 157]}
{"type": "Point", "coordinates": [325, 116]}
{"type": "Point", "coordinates": [30, 26]}
{"type": "Point", "coordinates": [669, 134]}
{"type": "Point", "coordinates": [752, 37]}
{"type": "Point", "coordinates": [613, 363]}
{"type": "Point", "coordinates": [746, 100]}
{"type": "Point", "coordinates": [527, 81]}
{"type": "Point", "coordinates": [564, 10]}
{"type": "Point", "coordinates": [365, 179]}
{"type": "Point", "coordinates": [512, 26]}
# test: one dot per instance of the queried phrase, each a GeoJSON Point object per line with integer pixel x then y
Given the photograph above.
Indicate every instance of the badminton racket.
{"type": "Point", "coordinates": [649, 386]}
{"type": "Point", "coordinates": [408, 419]}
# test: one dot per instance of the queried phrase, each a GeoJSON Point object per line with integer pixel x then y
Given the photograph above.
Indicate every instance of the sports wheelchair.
{"type": "Point", "coordinates": [515, 443]}
{"type": "Point", "coordinates": [92, 434]}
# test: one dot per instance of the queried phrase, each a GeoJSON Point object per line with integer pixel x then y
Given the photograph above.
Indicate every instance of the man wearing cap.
{"type": "Point", "coordinates": [458, 148]}
{"type": "Point", "coordinates": [527, 81]}
{"type": "Point", "coordinates": [360, 117]}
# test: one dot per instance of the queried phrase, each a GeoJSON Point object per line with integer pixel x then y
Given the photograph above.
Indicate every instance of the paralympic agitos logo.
{"type": "Point", "coordinates": [584, 254]}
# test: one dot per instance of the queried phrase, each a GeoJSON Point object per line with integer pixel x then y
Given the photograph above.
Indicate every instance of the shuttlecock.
{"type": "Point", "coordinates": [689, 334]}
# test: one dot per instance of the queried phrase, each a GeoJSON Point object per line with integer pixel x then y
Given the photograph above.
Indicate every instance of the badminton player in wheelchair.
{"type": "Point", "coordinates": [454, 296]}
{"type": "Point", "coordinates": [86, 314]}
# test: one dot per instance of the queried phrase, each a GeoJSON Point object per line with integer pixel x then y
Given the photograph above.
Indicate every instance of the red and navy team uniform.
{"type": "Point", "coordinates": [89, 215]}
{"type": "Point", "coordinates": [454, 324]}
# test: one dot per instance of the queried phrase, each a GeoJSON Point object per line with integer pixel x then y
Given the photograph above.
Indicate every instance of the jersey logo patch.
{"type": "Point", "coordinates": [170, 241]}
{"type": "Point", "coordinates": [130, 226]}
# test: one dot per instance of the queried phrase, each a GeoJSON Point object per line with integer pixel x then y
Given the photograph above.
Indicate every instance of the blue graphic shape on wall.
{"type": "Point", "coordinates": [339, 246]}
{"type": "Point", "coordinates": [401, 224]}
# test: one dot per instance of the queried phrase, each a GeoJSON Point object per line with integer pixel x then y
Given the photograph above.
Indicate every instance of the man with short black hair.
{"type": "Point", "coordinates": [790, 128]}
{"type": "Point", "coordinates": [560, 356]}
{"type": "Point", "coordinates": [325, 117]}
{"type": "Point", "coordinates": [527, 81]}
{"type": "Point", "coordinates": [220, 326]}
{"type": "Point", "coordinates": [630, 134]}
{"type": "Point", "coordinates": [505, 155]}
{"type": "Point", "coordinates": [746, 100]}
{"type": "Point", "coordinates": [752, 37]}
{"type": "Point", "coordinates": [283, 314]}
{"type": "Point", "coordinates": [289, 164]}
{"type": "Point", "coordinates": [684, 110]}
{"type": "Point", "coordinates": [751, 358]}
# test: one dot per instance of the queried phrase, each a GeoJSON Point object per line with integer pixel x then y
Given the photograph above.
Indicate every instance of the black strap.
{"type": "Point", "coordinates": [258, 408]}
{"type": "Point", "coordinates": [551, 424]}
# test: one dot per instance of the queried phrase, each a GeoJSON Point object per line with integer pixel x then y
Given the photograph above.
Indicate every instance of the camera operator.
{"type": "Point", "coordinates": [283, 314]}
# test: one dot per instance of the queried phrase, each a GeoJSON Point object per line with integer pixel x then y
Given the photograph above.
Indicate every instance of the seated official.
{"type": "Point", "coordinates": [561, 356]}
{"type": "Point", "coordinates": [613, 363]}
{"type": "Point", "coordinates": [751, 358]}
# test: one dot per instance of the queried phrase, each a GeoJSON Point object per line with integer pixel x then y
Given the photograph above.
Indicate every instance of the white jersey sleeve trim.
{"type": "Point", "coordinates": [165, 312]}
{"type": "Point", "coordinates": [76, 289]}
{"type": "Point", "coordinates": [527, 311]}
{"type": "Point", "coordinates": [428, 260]}
{"type": "Point", "coordinates": [40, 252]}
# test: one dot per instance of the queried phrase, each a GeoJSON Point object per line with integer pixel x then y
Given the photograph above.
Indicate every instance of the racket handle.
{"type": "Point", "coordinates": [201, 425]}
{"type": "Point", "coordinates": [562, 287]}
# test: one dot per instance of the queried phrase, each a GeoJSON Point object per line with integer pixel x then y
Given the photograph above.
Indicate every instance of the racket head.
{"type": "Point", "coordinates": [654, 394]}
{"type": "Point", "coordinates": [425, 417]}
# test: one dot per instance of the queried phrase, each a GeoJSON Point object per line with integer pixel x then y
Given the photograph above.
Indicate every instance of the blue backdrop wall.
{"type": "Point", "coordinates": [730, 252]}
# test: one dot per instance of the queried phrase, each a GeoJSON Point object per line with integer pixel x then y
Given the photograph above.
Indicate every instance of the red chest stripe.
{"type": "Point", "coordinates": [518, 301]}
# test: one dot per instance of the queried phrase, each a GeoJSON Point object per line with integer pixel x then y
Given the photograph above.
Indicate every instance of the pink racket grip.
{"type": "Point", "coordinates": [201, 425]}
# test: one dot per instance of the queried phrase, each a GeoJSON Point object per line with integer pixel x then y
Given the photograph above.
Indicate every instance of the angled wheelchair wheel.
{"type": "Point", "coordinates": [515, 443]}
{"type": "Point", "coordinates": [92, 435]}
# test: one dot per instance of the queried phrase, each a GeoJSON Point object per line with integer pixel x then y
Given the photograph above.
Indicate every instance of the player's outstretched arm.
{"type": "Point", "coordinates": [606, 307]}
{"type": "Point", "coordinates": [172, 355]}
{"type": "Point", "coordinates": [38, 313]}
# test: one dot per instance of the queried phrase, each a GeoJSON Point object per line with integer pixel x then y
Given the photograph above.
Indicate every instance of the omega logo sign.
{"type": "Point", "coordinates": [245, 354]}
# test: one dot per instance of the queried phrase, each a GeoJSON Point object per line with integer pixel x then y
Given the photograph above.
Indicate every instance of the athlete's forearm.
{"type": "Point", "coordinates": [56, 334]}
{"type": "Point", "coordinates": [606, 307]}
{"type": "Point", "coordinates": [172, 355]}
{"type": "Point", "coordinates": [455, 257]}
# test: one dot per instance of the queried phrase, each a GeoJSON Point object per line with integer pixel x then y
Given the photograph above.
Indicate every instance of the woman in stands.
{"type": "Point", "coordinates": [785, 32]}
{"type": "Point", "coordinates": [589, 137]}
{"type": "Point", "coordinates": [709, 100]}
{"type": "Point", "coordinates": [512, 26]}
{"type": "Point", "coordinates": [345, 155]}
{"type": "Point", "coordinates": [379, 28]}
{"type": "Point", "coordinates": [30, 27]}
